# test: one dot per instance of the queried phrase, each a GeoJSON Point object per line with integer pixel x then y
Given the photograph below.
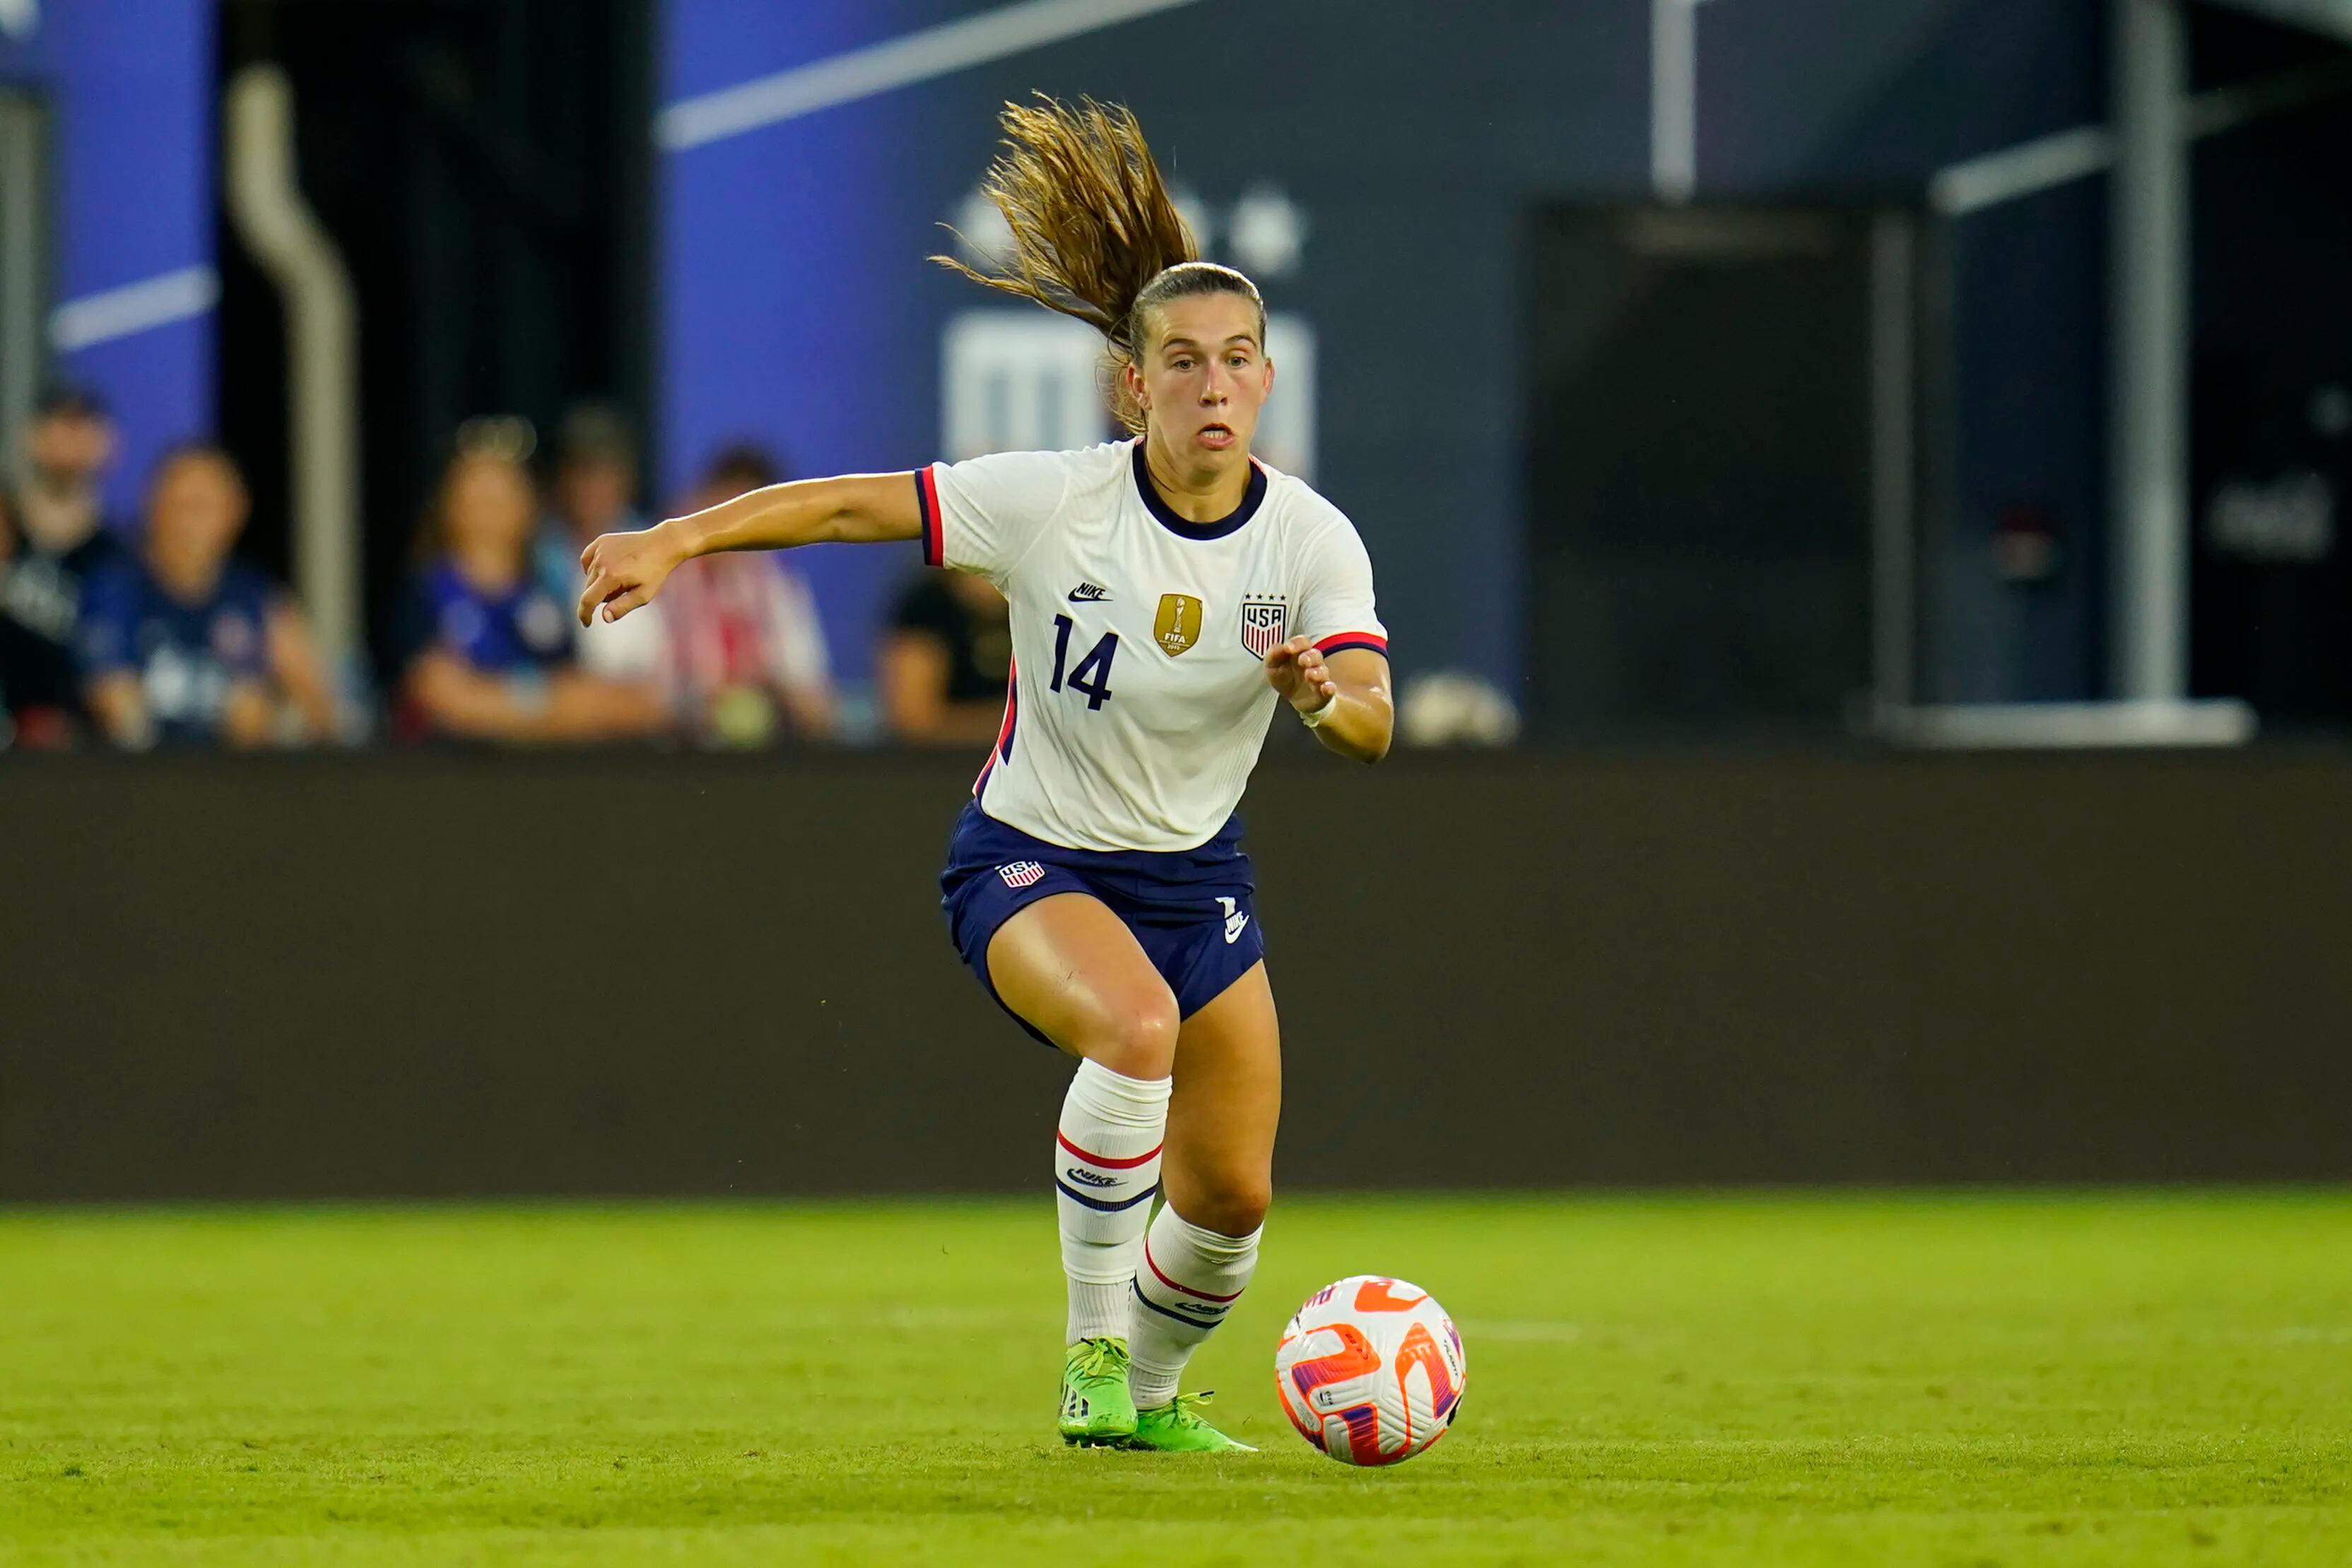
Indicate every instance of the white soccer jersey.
{"type": "Point", "coordinates": [1140, 702]}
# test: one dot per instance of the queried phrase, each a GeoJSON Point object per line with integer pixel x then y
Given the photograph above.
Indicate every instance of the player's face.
{"type": "Point", "coordinates": [1205, 375]}
{"type": "Point", "coordinates": [194, 516]}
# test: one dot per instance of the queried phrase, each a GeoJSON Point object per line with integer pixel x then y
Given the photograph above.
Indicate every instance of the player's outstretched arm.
{"type": "Point", "coordinates": [1347, 692]}
{"type": "Point", "coordinates": [625, 571]}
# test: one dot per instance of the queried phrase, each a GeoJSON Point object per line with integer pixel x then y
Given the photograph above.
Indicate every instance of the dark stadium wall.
{"type": "Point", "coordinates": [131, 109]}
{"type": "Point", "coordinates": [422, 975]}
{"type": "Point", "coordinates": [1408, 142]}
{"type": "Point", "coordinates": [2272, 380]}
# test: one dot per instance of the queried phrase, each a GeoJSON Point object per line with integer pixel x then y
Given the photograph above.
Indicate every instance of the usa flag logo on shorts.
{"type": "Point", "coordinates": [1021, 873]}
{"type": "Point", "coordinates": [1264, 625]}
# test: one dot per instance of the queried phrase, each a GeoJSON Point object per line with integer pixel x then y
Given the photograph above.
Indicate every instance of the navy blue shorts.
{"type": "Point", "coordinates": [1194, 912]}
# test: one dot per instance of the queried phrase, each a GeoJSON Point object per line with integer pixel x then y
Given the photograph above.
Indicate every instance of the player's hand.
{"type": "Point", "coordinates": [625, 571]}
{"type": "Point", "coordinates": [1296, 669]}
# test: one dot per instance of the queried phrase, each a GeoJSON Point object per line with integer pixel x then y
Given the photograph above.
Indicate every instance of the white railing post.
{"type": "Point", "coordinates": [2147, 501]}
{"type": "Point", "coordinates": [265, 201]}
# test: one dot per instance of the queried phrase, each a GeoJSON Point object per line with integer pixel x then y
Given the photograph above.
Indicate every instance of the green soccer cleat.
{"type": "Point", "coordinates": [1176, 1427]}
{"type": "Point", "coordinates": [1097, 1408]}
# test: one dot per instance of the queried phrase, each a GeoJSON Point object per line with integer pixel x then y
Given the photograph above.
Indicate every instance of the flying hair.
{"type": "Point", "coordinates": [1095, 234]}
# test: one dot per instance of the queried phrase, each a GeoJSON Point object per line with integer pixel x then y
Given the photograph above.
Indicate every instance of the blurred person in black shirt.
{"type": "Point", "coordinates": [948, 661]}
{"type": "Point", "coordinates": [184, 646]}
{"type": "Point", "coordinates": [60, 539]}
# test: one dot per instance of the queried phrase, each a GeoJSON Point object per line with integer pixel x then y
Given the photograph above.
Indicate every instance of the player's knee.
{"type": "Point", "coordinates": [1232, 1203]}
{"type": "Point", "coordinates": [1139, 1040]}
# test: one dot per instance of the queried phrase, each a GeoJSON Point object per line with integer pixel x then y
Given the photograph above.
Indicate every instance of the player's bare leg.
{"type": "Point", "coordinates": [1074, 970]}
{"type": "Point", "coordinates": [1070, 968]}
{"type": "Point", "coordinates": [1227, 1101]}
{"type": "Point", "coordinates": [1218, 1174]}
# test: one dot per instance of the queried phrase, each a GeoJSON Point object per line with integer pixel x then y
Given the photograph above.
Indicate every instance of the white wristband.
{"type": "Point", "coordinates": [1315, 720]}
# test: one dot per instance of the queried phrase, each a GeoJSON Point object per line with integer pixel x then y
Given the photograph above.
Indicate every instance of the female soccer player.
{"type": "Point", "coordinates": [1167, 592]}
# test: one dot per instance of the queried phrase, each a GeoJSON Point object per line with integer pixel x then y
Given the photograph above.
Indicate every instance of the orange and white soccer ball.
{"type": "Point", "coordinates": [1371, 1370]}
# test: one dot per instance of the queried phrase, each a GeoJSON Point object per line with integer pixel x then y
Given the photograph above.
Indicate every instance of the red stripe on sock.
{"type": "Point", "coordinates": [1201, 1295]}
{"type": "Point", "coordinates": [1151, 1153]}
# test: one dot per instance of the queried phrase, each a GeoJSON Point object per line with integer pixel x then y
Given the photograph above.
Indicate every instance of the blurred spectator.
{"type": "Point", "coordinates": [734, 641]}
{"type": "Point", "coordinates": [183, 646]}
{"type": "Point", "coordinates": [594, 490]}
{"type": "Point", "coordinates": [947, 661]}
{"type": "Point", "coordinates": [494, 650]}
{"type": "Point", "coordinates": [59, 539]}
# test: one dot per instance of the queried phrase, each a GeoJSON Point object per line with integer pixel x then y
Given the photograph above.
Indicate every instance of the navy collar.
{"type": "Point", "coordinates": [1166, 514]}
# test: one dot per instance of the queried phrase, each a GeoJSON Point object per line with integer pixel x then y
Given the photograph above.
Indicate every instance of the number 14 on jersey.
{"type": "Point", "coordinates": [1092, 677]}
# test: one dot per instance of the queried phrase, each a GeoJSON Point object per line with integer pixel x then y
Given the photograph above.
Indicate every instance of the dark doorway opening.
{"type": "Point", "coordinates": [1704, 437]}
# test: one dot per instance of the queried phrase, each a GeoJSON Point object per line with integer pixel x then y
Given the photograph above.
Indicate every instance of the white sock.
{"type": "Point", "coordinates": [1190, 1280]}
{"type": "Point", "coordinates": [1106, 1168]}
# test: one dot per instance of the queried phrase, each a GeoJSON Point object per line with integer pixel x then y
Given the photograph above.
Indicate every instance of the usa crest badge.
{"type": "Point", "coordinates": [1021, 873]}
{"type": "Point", "coordinates": [1266, 625]}
{"type": "Point", "coordinates": [1177, 625]}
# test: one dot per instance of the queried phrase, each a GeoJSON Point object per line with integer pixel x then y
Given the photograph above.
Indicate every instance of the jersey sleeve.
{"type": "Point", "coordinates": [1335, 597]}
{"type": "Point", "coordinates": [981, 515]}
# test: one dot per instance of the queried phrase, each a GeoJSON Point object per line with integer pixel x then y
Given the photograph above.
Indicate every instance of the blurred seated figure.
{"type": "Point", "coordinates": [593, 490]}
{"type": "Point", "coordinates": [183, 646]}
{"type": "Point", "coordinates": [60, 540]}
{"type": "Point", "coordinates": [734, 640]}
{"type": "Point", "coordinates": [948, 661]}
{"type": "Point", "coordinates": [493, 656]}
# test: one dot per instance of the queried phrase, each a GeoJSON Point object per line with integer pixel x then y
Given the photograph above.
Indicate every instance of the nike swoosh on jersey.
{"type": "Point", "coordinates": [1089, 593]}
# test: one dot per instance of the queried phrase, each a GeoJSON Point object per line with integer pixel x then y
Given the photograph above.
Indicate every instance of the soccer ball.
{"type": "Point", "coordinates": [1371, 1370]}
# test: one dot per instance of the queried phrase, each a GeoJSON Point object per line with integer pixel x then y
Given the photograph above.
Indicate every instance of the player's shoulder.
{"type": "Point", "coordinates": [1095, 468]}
{"type": "Point", "coordinates": [1037, 483]}
{"type": "Point", "coordinates": [1105, 458]}
{"type": "Point", "coordinates": [1299, 507]}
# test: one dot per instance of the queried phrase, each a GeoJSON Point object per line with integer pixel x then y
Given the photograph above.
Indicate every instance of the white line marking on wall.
{"type": "Point", "coordinates": [894, 63]}
{"type": "Point", "coordinates": [134, 308]}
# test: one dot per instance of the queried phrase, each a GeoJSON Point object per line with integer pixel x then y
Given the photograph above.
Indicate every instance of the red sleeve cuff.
{"type": "Point", "coordinates": [1339, 641]}
{"type": "Point", "coordinates": [927, 497]}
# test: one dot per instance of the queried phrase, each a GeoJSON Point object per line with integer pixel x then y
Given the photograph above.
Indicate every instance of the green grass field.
{"type": "Point", "coordinates": [1949, 1380]}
